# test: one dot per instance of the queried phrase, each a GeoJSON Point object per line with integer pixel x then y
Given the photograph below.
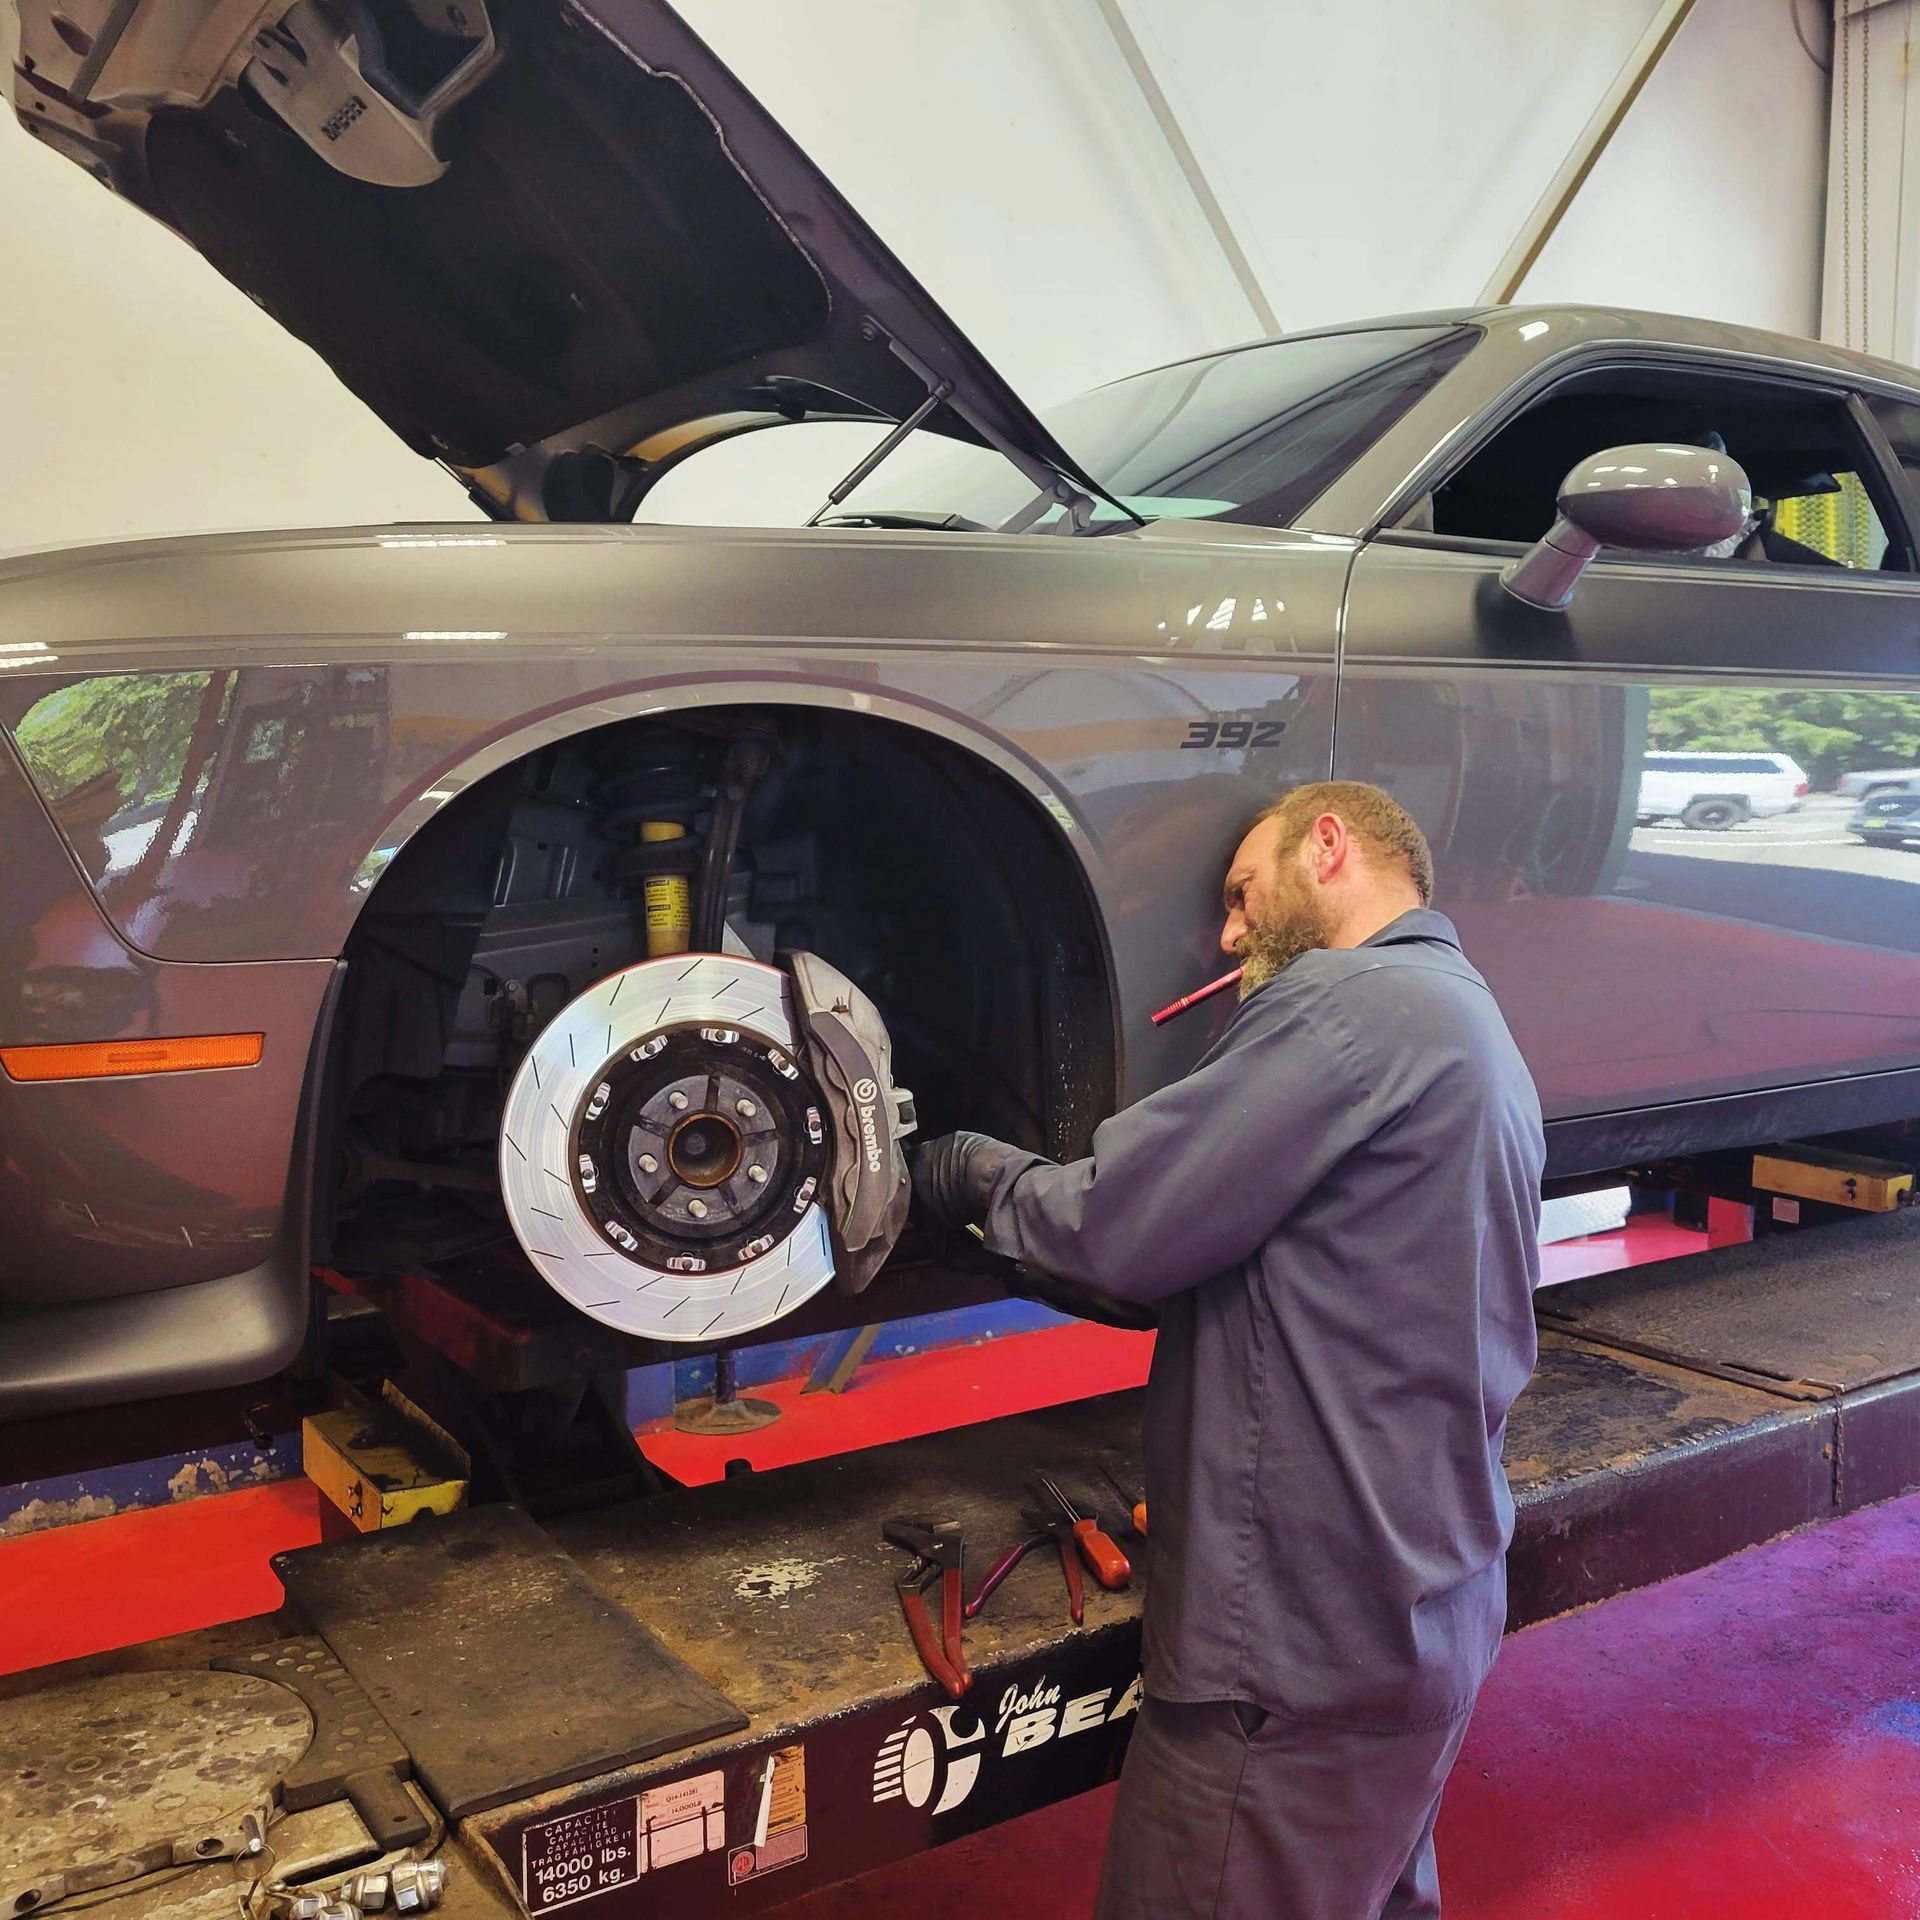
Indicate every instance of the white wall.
{"type": "Point", "coordinates": [1380, 155]}
{"type": "Point", "coordinates": [144, 394]}
{"type": "Point", "coordinates": [1712, 198]}
{"type": "Point", "coordinates": [1372, 155]}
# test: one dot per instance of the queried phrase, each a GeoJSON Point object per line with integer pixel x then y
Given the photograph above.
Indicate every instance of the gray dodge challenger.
{"type": "Point", "coordinates": [550, 895]}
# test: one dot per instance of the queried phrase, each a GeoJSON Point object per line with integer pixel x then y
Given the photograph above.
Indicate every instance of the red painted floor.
{"type": "Point", "coordinates": [1744, 1740]}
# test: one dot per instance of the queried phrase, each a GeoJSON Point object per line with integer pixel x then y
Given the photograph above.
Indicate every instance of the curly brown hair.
{"type": "Point", "coordinates": [1376, 819]}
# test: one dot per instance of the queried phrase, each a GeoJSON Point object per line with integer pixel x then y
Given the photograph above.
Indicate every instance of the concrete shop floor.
{"type": "Point", "coordinates": [1744, 1740]}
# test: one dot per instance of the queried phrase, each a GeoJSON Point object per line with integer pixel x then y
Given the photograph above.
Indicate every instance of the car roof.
{"type": "Point", "coordinates": [1521, 345]}
{"type": "Point", "coordinates": [1560, 327]}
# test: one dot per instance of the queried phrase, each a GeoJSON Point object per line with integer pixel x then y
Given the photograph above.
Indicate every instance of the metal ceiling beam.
{"type": "Point", "coordinates": [1586, 151]}
{"type": "Point", "coordinates": [1188, 162]}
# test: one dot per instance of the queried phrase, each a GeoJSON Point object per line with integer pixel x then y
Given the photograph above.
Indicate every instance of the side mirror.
{"type": "Point", "coordinates": [1650, 499]}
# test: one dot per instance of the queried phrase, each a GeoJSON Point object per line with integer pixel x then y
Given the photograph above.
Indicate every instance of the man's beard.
{"type": "Point", "coordinates": [1291, 925]}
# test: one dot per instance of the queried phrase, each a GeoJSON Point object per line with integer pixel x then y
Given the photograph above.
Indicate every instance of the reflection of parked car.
{"type": "Point", "coordinates": [980, 738]}
{"type": "Point", "coordinates": [1877, 780]}
{"type": "Point", "coordinates": [1887, 819]}
{"type": "Point", "coordinates": [1718, 790]}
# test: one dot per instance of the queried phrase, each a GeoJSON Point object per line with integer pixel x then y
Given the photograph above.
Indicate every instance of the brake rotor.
{"type": "Point", "coordinates": [664, 1150]}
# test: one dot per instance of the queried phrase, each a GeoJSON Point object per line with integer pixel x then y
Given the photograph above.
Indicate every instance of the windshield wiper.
{"type": "Point", "coordinates": [910, 518]}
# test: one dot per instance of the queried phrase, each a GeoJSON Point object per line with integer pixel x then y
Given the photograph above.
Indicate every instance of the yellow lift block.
{"type": "Point", "coordinates": [1838, 1179]}
{"type": "Point", "coordinates": [383, 1465]}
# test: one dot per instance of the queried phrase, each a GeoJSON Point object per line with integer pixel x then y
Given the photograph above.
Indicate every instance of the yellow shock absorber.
{"type": "Point", "coordinates": [668, 896]}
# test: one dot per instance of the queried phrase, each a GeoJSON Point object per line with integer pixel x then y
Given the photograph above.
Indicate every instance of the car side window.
{"type": "Point", "coordinates": [1819, 498]}
{"type": "Point", "coordinates": [1899, 420]}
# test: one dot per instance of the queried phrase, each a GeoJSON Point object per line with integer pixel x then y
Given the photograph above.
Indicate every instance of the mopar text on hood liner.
{"type": "Point", "coordinates": [550, 242]}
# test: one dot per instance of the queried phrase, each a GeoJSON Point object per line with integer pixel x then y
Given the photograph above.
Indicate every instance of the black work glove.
{"type": "Point", "coordinates": [953, 1177]}
{"type": "Point", "coordinates": [953, 1180]}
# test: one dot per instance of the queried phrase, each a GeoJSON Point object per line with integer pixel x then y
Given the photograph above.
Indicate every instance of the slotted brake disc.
{"type": "Point", "coordinates": [664, 1150]}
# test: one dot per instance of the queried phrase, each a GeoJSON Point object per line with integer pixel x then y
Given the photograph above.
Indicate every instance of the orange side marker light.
{"type": "Point", "coordinates": [109, 1059]}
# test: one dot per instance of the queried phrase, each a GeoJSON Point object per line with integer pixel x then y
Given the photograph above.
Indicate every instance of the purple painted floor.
{"type": "Point", "coordinates": [1743, 1741]}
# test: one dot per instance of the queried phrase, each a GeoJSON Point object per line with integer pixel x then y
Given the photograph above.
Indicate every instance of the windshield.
{"type": "Point", "coordinates": [1256, 434]}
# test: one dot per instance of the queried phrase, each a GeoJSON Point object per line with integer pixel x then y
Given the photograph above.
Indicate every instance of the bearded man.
{"type": "Point", "coordinates": [1335, 1217]}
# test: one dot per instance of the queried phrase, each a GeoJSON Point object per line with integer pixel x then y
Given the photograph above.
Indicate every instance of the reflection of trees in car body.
{"type": "Point", "coordinates": [1830, 731]}
{"type": "Point", "coordinates": [135, 723]}
{"type": "Point", "coordinates": [301, 753]}
{"type": "Point", "coordinates": [1524, 789]}
{"type": "Point", "coordinates": [174, 765]}
{"type": "Point", "coordinates": [135, 810]}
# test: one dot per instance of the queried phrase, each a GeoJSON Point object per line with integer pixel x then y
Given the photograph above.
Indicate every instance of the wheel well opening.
{"type": "Point", "coordinates": [926, 875]}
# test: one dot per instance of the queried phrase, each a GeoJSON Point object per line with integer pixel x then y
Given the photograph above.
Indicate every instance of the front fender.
{"type": "Point", "coordinates": [139, 1183]}
{"type": "Point", "coordinates": [235, 798]}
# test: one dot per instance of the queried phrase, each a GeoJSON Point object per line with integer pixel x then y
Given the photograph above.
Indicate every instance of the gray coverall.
{"type": "Point", "coordinates": [1336, 1213]}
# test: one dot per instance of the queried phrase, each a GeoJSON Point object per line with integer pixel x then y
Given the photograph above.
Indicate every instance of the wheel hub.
{"type": "Point", "coordinates": [705, 1149]}
{"type": "Point", "coordinates": [695, 1145]}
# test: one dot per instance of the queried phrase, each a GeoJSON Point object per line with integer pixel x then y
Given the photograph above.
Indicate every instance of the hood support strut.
{"type": "Point", "coordinates": [936, 397]}
{"type": "Point", "coordinates": [1056, 488]}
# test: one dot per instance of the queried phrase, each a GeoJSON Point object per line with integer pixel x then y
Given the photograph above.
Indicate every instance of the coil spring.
{"type": "Point", "coordinates": [639, 785]}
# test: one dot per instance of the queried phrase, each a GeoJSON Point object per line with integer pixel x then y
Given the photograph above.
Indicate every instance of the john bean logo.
{"type": "Point", "coordinates": [935, 1757]}
{"type": "Point", "coordinates": [1032, 1718]}
{"type": "Point", "coordinates": [925, 1758]}
{"type": "Point", "coordinates": [866, 1096]}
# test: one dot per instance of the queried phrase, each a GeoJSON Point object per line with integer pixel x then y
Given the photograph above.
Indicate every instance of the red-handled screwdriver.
{"type": "Point", "coordinates": [1109, 1565]}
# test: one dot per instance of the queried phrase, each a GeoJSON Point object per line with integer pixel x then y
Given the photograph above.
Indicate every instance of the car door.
{"type": "Point", "coordinates": [1652, 964]}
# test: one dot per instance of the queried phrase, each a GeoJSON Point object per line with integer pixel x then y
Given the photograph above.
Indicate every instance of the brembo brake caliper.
{"type": "Point", "coordinates": [852, 1061]}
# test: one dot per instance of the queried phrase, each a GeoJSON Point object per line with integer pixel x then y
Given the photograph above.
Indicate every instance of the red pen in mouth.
{"type": "Point", "coordinates": [1194, 998]}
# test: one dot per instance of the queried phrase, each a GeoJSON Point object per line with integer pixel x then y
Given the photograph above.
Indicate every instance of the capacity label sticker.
{"type": "Point", "coordinates": [580, 1854]}
{"type": "Point", "coordinates": [583, 1854]}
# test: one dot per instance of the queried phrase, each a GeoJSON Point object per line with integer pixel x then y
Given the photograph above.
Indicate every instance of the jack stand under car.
{"type": "Point", "coordinates": [698, 1144]}
{"type": "Point", "coordinates": [726, 1410]}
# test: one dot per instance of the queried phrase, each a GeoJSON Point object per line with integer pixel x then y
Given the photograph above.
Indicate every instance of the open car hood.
{"type": "Point", "coordinates": [554, 244]}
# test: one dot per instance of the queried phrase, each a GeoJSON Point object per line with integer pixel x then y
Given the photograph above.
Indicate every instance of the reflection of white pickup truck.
{"type": "Point", "coordinates": [1856, 786]}
{"type": "Point", "coordinates": [1717, 790]}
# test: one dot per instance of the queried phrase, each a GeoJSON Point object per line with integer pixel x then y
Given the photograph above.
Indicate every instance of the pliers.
{"type": "Point", "coordinates": [938, 1550]}
{"type": "Point", "coordinates": [1109, 1565]}
{"type": "Point", "coordinates": [1055, 1527]}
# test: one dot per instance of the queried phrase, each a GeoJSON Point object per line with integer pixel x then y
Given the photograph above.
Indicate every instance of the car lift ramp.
{"type": "Point", "coordinates": [705, 1702]}
{"type": "Point", "coordinates": [1685, 1410]}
